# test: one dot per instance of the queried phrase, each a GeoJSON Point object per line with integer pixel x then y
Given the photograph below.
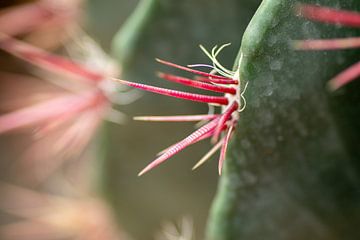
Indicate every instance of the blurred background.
{"type": "Point", "coordinates": [56, 157]}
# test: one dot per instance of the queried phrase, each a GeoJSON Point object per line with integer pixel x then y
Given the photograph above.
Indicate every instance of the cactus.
{"type": "Point", "coordinates": [292, 172]}
{"type": "Point", "coordinates": [55, 105]}
{"type": "Point", "coordinates": [291, 169]}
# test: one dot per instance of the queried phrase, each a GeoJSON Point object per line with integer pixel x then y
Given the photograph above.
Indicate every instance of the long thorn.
{"type": "Point", "coordinates": [198, 140]}
{"type": "Point", "coordinates": [327, 44]}
{"type": "Point", "coordinates": [196, 84]}
{"type": "Point", "coordinates": [216, 80]}
{"type": "Point", "coordinates": [191, 139]}
{"type": "Point", "coordinates": [223, 119]}
{"type": "Point", "coordinates": [345, 77]}
{"type": "Point", "coordinates": [184, 118]}
{"type": "Point", "coordinates": [177, 94]}
{"type": "Point", "coordinates": [224, 148]}
{"type": "Point", "coordinates": [190, 69]}
{"type": "Point", "coordinates": [329, 15]}
{"type": "Point", "coordinates": [208, 155]}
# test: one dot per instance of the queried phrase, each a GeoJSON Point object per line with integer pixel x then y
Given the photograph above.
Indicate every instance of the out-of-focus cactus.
{"type": "Point", "coordinates": [293, 170]}
{"type": "Point", "coordinates": [57, 102]}
{"type": "Point", "coordinates": [183, 230]}
{"type": "Point", "coordinates": [48, 216]}
{"type": "Point", "coordinates": [45, 23]}
{"type": "Point", "coordinates": [73, 107]}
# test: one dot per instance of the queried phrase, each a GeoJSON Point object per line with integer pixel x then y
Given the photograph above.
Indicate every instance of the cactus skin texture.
{"type": "Point", "coordinates": [293, 169]}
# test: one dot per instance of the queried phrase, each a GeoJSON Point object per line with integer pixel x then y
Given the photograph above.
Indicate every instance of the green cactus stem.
{"type": "Point", "coordinates": [127, 39]}
{"type": "Point", "coordinates": [293, 170]}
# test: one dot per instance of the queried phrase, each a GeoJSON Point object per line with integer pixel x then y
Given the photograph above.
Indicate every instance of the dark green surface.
{"type": "Point", "coordinates": [293, 168]}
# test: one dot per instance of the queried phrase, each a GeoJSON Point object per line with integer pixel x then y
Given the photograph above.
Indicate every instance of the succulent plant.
{"type": "Point", "coordinates": [292, 169]}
